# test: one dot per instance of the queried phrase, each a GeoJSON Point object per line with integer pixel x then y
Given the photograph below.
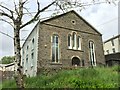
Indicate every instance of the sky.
{"type": "Point", "coordinates": [104, 17]}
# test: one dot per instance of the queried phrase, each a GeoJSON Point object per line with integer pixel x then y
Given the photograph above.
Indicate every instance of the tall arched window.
{"type": "Point", "coordinates": [55, 48]}
{"type": "Point", "coordinates": [74, 40]}
{"type": "Point", "coordinates": [69, 41]}
{"type": "Point", "coordinates": [79, 43]}
{"type": "Point", "coordinates": [92, 53]}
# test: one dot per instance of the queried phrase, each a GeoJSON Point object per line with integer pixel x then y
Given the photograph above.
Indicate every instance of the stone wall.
{"type": "Point", "coordinates": [63, 26]}
{"type": "Point", "coordinates": [6, 75]}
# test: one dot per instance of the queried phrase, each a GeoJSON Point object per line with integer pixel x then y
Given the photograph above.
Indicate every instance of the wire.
{"type": "Point", "coordinates": [108, 21]}
{"type": "Point", "coordinates": [6, 34]}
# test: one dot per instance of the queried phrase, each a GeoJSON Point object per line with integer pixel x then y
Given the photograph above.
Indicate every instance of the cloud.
{"type": "Point", "coordinates": [104, 18]}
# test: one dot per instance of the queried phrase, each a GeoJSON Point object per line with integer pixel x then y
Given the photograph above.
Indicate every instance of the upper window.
{"type": "Point", "coordinates": [112, 41]}
{"type": "Point", "coordinates": [74, 40]}
{"type": "Point", "coordinates": [27, 47]}
{"type": "Point", "coordinates": [92, 53]}
{"type": "Point", "coordinates": [119, 40]}
{"type": "Point", "coordinates": [32, 55]}
{"type": "Point", "coordinates": [33, 41]}
{"type": "Point", "coordinates": [73, 22]}
{"type": "Point", "coordinates": [55, 48]}
{"type": "Point", "coordinates": [79, 43]}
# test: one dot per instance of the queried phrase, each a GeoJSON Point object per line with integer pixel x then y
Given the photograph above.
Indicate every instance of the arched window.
{"type": "Point", "coordinates": [55, 48]}
{"type": "Point", "coordinates": [92, 53]}
{"type": "Point", "coordinates": [79, 42]}
{"type": "Point", "coordinates": [69, 41]}
{"type": "Point", "coordinates": [74, 40]}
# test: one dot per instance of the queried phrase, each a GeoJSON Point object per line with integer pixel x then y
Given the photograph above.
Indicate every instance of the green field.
{"type": "Point", "coordinates": [98, 77]}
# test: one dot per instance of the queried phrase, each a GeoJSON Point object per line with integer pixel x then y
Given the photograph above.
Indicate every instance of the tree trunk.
{"type": "Point", "coordinates": [17, 49]}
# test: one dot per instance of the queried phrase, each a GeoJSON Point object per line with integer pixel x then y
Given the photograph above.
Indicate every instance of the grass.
{"type": "Point", "coordinates": [78, 78]}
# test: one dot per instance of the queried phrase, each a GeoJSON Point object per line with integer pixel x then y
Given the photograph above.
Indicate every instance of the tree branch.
{"type": "Point", "coordinates": [10, 23]}
{"type": "Point", "coordinates": [28, 12]}
{"type": "Point", "coordinates": [37, 14]}
{"type": "Point", "coordinates": [7, 15]}
{"type": "Point", "coordinates": [38, 5]}
{"type": "Point", "coordinates": [16, 8]}
{"type": "Point", "coordinates": [7, 9]}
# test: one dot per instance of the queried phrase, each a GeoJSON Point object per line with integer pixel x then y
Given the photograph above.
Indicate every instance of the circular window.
{"type": "Point", "coordinates": [73, 22]}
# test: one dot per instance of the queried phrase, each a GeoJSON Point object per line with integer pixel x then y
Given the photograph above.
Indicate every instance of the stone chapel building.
{"type": "Point", "coordinates": [65, 40]}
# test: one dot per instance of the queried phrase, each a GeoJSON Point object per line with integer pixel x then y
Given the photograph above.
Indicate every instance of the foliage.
{"type": "Point", "coordinates": [7, 59]}
{"type": "Point", "coordinates": [77, 78]}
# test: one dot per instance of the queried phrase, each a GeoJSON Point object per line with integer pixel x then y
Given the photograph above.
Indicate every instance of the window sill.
{"type": "Point", "coordinates": [55, 63]}
{"type": "Point", "coordinates": [76, 50]}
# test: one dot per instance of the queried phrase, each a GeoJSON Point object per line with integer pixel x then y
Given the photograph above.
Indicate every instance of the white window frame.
{"type": "Point", "coordinates": [70, 41]}
{"type": "Point", "coordinates": [74, 41]}
{"type": "Point", "coordinates": [92, 52]}
{"type": "Point", "coordinates": [79, 41]}
{"type": "Point", "coordinates": [32, 59]}
{"type": "Point", "coordinates": [55, 61]}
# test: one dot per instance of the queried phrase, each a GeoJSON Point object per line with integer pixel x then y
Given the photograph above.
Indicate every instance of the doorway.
{"type": "Point", "coordinates": [75, 61]}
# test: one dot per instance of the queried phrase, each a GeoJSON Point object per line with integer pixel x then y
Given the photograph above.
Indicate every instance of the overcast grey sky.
{"type": "Point", "coordinates": [104, 17]}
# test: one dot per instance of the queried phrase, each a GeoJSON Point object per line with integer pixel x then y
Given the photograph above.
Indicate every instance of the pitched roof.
{"type": "Point", "coordinates": [72, 11]}
{"type": "Point", "coordinates": [112, 38]}
{"type": "Point", "coordinates": [57, 16]}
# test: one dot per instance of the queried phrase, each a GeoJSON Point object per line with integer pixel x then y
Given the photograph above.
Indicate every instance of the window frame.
{"type": "Point", "coordinates": [74, 40]}
{"type": "Point", "coordinates": [92, 56]}
{"type": "Point", "coordinates": [79, 42]}
{"type": "Point", "coordinates": [69, 41]}
{"type": "Point", "coordinates": [112, 41]}
{"type": "Point", "coordinates": [55, 49]}
{"type": "Point", "coordinates": [113, 49]}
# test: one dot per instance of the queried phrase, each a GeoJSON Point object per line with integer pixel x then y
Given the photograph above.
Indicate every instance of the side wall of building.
{"type": "Point", "coordinates": [30, 53]}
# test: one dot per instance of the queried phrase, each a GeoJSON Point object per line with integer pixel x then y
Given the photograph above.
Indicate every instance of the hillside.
{"type": "Point", "coordinates": [77, 78]}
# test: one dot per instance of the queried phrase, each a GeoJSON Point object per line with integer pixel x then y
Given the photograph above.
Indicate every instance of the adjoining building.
{"type": "Point", "coordinates": [65, 40]}
{"type": "Point", "coordinates": [112, 50]}
{"type": "Point", "coordinates": [7, 71]}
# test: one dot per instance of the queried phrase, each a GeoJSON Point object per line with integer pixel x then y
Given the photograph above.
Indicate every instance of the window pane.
{"type": "Point", "coordinates": [55, 49]}
{"type": "Point", "coordinates": [57, 53]}
{"type": "Point", "coordinates": [56, 39]}
{"type": "Point", "coordinates": [113, 50]}
{"type": "Point", "coordinates": [73, 39]}
{"type": "Point", "coordinates": [92, 53]}
{"type": "Point", "coordinates": [33, 40]}
{"type": "Point", "coordinates": [53, 53]}
{"type": "Point", "coordinates": [78, 42]}
{"type": "Point", "coordinates": [68, 40]}
{"type": "Point", "coordinates": [112, 41]}
{"type": "Point", "coordinates": [32, 55]}
{"type": "Point", "coordinates": [53, 39]}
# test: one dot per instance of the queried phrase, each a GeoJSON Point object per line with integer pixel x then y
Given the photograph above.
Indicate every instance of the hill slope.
{"type": "Point", "coordinates": [77, 78]}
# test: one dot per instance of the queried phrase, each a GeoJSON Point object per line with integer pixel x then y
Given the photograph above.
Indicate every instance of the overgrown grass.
{"type": "Point", "coordinates": [79, 78]}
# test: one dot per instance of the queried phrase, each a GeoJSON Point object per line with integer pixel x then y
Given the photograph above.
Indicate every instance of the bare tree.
{"type": "Point", "coordinates": [15, 19]}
